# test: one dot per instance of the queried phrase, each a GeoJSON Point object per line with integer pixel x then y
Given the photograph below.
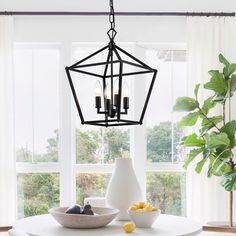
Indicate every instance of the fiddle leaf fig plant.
{"type": "Point", "coordinates": [214, 141]}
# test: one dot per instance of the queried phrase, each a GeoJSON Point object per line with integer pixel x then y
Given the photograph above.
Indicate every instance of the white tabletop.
{"type": "Point", "coordinates": [166, 225]}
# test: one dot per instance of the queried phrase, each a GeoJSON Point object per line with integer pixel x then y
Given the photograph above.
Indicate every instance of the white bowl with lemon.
{"type": "Point", "coordinates": [143, 215]}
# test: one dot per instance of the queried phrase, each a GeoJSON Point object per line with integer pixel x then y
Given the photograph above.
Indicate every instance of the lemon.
{"type": "Point", "coordinates": [142, 205]}
{"type": "Point", "coordinates": [128, 227]}
{"type": "Point", "coordinates": [148, 208]}
{"type": "Point", "coordinates": [133, 208]}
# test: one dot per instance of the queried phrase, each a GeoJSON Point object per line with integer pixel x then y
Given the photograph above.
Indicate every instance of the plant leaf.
{"type": "Point", "coordinates": [189, 120]}
{"type": "Point", "coordinates": [233, 83]}
{"type": "Point", "coordinates": [200, 165]}
{"type": "Point", "coordinates": [209, 123]}
{"type": "Point", "coordinates": [229, 70]}
{"type": "Point", "coordinates": [217, 166]}
{"type": "Point", "coordinates": [222, 168]}
{"type": "Point", "coordinates": [217, 140]}
{"type": "Point", "coordinates": [219, 98]}
{"type": "Point", "coordinates": [208, 104]}
{"type": "Point", "coordinates": [192, 154]}
{"type": "Point", "coordinates": [212, 72]}
{"type": "Point", "coordinates": [230, 129]}
{"type": "Point", "coordinates": [193, 141]}
{"type": "Point", "coordinates": [223, 153]}
{"type": "Point", "coordinates": [229, 181]}
{"type": "Point", "coordinates": [217, 84]}
{"type": "Point", "coordinates": [223, 60]}
{"type": "Point", "coordinates": [185, 104]}
{"type": "Point", "coordinates": [196, 90]}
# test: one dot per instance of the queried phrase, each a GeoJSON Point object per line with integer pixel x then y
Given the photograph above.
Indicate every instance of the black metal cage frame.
{"type": "Point", "coordinates": [111, 47]}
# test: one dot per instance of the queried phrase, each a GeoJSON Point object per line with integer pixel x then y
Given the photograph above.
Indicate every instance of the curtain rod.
{"type": "Point", "coordinates": [62, 13]}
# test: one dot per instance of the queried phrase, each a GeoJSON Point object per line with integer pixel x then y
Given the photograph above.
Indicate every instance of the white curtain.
{"type": "Point", "coordinates": [7, 161]}
{"type": "Point", "coordinates": [230, 51]}
{"type": "Point", "coordinates": [206, 38]}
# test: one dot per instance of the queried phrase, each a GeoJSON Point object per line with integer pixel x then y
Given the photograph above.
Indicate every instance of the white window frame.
{"type": "Point", "coordinates": [66, 166]}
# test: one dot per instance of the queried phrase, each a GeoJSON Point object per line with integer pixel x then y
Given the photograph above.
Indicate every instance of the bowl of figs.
{"type": "Point", "coordinates": [83, 217]}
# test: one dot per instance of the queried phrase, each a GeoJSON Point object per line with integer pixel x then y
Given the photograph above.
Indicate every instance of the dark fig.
{"type": "Point", "coordinates": [76, 209]}
{"type": "Point", "coordinates": [89, 212]}
{"type": "Point", "coordinates": [84, 212]}
{"type": "Point", "coordinates": [87, 207]}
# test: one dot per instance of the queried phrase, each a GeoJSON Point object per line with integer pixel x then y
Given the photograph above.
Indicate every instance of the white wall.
{"type": "Point", "coordinates": [89, 29]}
{"type": "Point", "coordinates": [93, 29]}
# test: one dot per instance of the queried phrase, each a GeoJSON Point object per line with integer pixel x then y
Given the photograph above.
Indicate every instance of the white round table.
{"type": "Point", "coordinates": [166, 225]}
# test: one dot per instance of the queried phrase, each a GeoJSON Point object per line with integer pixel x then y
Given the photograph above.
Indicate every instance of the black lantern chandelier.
{"type": "Point", "coordinates": [111, 92]}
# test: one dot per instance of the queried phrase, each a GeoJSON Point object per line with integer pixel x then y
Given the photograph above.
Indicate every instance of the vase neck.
{"type": "Point", "coordinates": [124, 163]}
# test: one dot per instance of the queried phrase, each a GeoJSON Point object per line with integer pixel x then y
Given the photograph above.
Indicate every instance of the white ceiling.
{"type": "Point", "coordinates": [120, 5]}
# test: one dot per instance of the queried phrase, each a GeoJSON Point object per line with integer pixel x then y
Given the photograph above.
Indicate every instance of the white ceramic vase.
{"type": "Point", "coordinates": [123, 189]}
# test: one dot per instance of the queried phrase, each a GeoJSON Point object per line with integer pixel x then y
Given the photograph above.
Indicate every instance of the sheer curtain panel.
{"type": "Point", "coordinates": [230, 51]}
{"type": "Point", "coordinates": [7, 161]}
{"type": "Point", "coordinates": [206, 38]}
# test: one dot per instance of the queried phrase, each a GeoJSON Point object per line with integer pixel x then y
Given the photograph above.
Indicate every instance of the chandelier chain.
{"type": "Point", "coordinates": [112, 32]}
{"type": "Point", "coordinates": [112, 15]}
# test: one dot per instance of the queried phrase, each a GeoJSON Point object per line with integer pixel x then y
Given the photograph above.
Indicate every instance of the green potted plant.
{"type": "Point", "coordinates": [214, 141]}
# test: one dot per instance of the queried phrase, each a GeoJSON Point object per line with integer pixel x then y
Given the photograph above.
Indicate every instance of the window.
{"type": "Point", "coordinates": [56, 154]}
{"type": "Point", "coordinates": [36, 104]}
{"type": "Point", "coordinates": [165, 177]}
{"type": "Point", "coordinates": [37, 193]}
{"type": "Point", "coordinates": [169, 191]}
{"type": "Point", "coordinates": [36, 127]}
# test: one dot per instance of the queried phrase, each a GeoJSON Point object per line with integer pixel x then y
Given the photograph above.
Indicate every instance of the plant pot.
{"type": "Point", "coordinates": [123, 189]}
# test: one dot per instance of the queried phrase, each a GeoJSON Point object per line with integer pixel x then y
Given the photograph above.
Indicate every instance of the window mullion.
{"type": "Point", "coordinates": [172, 101]}
{"type": "Point", "coordinates": [66, 154]}
{"type": "Point", "coordinates": [138, 133]}
{"type": "Point", "coordinates": [32, 106]}
{"type": "Point", "coordinates": [37, 168]}
{"type": "Point", "coordinates": [94, 168]}
{"type": "Point", "coordinates": [165, 167]}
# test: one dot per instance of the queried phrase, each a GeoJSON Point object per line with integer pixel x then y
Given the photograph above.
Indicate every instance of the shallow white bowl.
{"type": "Point", "coordinates": [144, 219]}
{"type": "Point", "coordinates": [102, 217]}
